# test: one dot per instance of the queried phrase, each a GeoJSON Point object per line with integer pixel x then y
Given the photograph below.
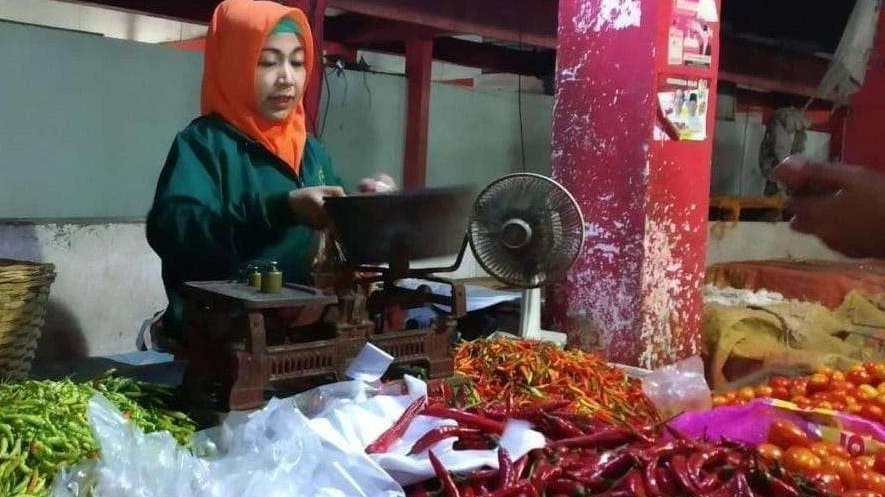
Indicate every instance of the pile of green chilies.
{"type": "Point", "coordinates": [44, 427]}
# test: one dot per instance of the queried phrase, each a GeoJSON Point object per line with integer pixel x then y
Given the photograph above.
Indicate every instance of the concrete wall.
{"type": "Point", "coordinates": [109, 279]}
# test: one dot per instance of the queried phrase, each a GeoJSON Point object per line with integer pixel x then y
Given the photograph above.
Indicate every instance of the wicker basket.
{"type": "Point", "coordinates": [24, 292]}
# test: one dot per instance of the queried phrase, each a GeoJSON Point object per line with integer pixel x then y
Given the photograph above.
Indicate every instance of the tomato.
{"type": "Point", "coordinates": [785, 434]}
{"type": "Point", "coordinates": [731, 397]}
{"type": "Point", "coordinates": [764, 391]}
{"type": "Point", "coordinates": [780, 393]}
{"type": "Point", "coordinates": [779, 382]}
{"type": "Point", "coordinates": [879, 463]}
{"type": "Point", "coordinates": [837, 376]}
{"type": "Point", "coordinates": [846, 387]}
{"type": "Point", "coordinates": [719, 400]}
{"type": "Point", "coordinates": [879, 374]}
{"type": "Point", "coordinates": [863, 463]}
{"type": "Point", "coordinates": [801, 460]}
{"type": "Point", "coordinates": [840, 452]}
{"type": "Point", "coordinates": [838, 406]}
{"type": "Point", "coordinates": [821, 396]}
{"type": "Point", "coordinates": [820, 449]}
{"type": "Point", "coordinates": [867, 392]}
{"type": "Point", "coordinates": [770, 452]}
{"type": "Point", "coordinates": [746, 394]}
{"type": "Point", "coordinates": [870, 480]}
{"type": "Point", "coordinates": [853, 409]}
{"type": "Point", "coordinates": [861, 493]}
{"type": "Point", "coordinates": [830, 483]}
{"type": "Point", "coordinates": [818, 382]}
{"type": "Point", "coordinates": [842, 468]}
{"type": "Point", "coordinates": [802, 402]}
{"type": "Point", "coordinates": [859, 377]}
{"type": "Point", "coordinates": [825, 370]}
{"type": "Point", "coordinates": [872, 412]}
{"type": "Point", "coordinates": [870, 367]}
{"type": "Point", "coordinates": [825, 405]}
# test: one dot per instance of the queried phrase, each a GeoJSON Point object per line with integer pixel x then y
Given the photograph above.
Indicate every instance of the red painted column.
{"type": "Point", "coordinates": [635, 290]}
{"type": "Point", "coordinates": [419, 60]}
{"type": "Point", "coordinates": [315, 10]}
{"type": "Point", "coordinates": [863, 142]}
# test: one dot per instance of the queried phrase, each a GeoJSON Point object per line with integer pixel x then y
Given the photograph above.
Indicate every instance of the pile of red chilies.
{"type": "Point", "coordinates": [584, 457]}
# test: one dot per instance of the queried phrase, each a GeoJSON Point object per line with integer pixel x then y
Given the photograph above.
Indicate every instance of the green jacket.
{"type": "Point", "coordinates": [222, 203]}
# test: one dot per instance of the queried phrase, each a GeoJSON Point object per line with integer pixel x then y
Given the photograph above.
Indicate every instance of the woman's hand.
{"type": "Point", "coordinates": [379, 183]}
{"type": "Point", "coordinates": [307, 204]}
{"type": "Point", "coordinates": [843, 205]}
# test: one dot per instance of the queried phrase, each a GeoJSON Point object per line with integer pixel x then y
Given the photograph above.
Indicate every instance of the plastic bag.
{"type": "Point", "coordinates": [271, 452]}
{"type": "Point", "coordinates": [353, 424]}
{"type": "Point", "coordinates": [678, 387]}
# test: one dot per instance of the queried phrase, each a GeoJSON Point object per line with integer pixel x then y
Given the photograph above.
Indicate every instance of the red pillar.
{"type": "Point", "coordinates": [635, 290]}
{"type": "Point", "coordinates": [419, 60]}
{"type": "Point", "coordinates": [863, 142]}
{"type": "Point", "coordinates": [315, 10]}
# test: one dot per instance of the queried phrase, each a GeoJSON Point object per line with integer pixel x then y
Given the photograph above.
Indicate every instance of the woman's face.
{"type": "Point", "coordinates": [280, 76]}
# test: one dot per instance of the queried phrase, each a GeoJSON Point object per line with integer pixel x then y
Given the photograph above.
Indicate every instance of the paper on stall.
{"type": "Point", "coordinates": [478, 297]}
{"type": "Point", "coordinates": [369, 365]}
{"type": "Point", "coordinates": [351, 426]}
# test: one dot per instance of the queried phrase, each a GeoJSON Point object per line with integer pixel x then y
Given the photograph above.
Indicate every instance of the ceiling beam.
{"type": "Point", "coordinates": [356, 30]}
{"type": "Point", "coordinates": [769, 69]}
{"type": "Point", "coordinates": [532, 22]}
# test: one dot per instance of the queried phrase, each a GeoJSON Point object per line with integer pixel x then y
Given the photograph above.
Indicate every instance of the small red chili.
{"type": "Point", "coordinates": [505, 468]}
{"type": "Point", "coordinates": [466, 418]}
{"type": "Point", "coordinates": [604, 439]}
{"type": "Point", "coordinates": [449, 487]}
{"type": "Point", "coordinates": [395, 432]}
{"type": "Point", "coordinates": [437, 435]}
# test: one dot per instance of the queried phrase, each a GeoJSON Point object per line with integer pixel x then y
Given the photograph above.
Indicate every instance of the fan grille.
{"type": "Point", "coordinates": [555, 230]}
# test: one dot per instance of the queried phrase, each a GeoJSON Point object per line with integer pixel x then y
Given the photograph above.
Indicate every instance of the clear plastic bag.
{"type": "Point", "coordinates": [678, 387]}
{"type": "Point", "coordinates": [271, 452]}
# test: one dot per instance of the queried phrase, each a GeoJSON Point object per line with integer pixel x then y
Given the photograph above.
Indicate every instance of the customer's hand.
{"type": "Point", "coordinates": [307, 204]}
{"type": "Point", "coordinates": [379, 183]}
{"type": "Point", "coordinates": [843, 205]}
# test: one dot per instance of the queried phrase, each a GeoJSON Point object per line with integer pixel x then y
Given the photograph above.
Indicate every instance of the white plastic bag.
{"type": "Point", "coordinates": [678, 387]}
{"type": "Point", "coordinates": [272, 452]}
{"type": "Point", "coordinates": [352, 424]}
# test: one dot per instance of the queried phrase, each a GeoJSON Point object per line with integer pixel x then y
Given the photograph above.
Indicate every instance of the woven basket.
{"type": "Point", "coordinates": [24, 292]}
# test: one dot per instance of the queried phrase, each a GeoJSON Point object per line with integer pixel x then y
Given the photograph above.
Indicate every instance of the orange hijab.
{"type": "Point", "coordinates": [237, 33]}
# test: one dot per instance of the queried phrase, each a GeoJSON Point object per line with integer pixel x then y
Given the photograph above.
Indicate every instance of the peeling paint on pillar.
{"type": "Point", "coordinates": [631, 293]}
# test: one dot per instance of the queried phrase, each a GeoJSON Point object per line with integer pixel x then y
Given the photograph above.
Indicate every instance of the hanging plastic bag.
{"type": "Point", "coordinates": [271, 452]}
{"type": "Point", "coordinates": [678, 387]}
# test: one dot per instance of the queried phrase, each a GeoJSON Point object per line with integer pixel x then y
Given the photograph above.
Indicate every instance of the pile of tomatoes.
{"type": "Point", "coordinates": [859, 391]}
{"type": "Point", "coordinates": [827, 466]}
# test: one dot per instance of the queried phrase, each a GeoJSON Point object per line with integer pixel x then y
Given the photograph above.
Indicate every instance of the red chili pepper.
{"type": "Point", "coordinates": [651, 477]}
{"type": "Point", "coordinates": [563, 428]}
{"type": "Point", "coordinates": [518, 469]}
{"type": "Point", "coordinates": [467, 491]}
{"type": "Point", "coordinates": [505, 468]}
{"type": "Point", "coordinates": [635, 483]}
{"type": "Point", "coordinates": [780, 488]}
{"type": "Point", "coordinates": [614, 468]}
{"type": "Point", "coordinates": [467, 418]}
{"type": "Point", "coordinates": [679, 467]}
{"type": "Point", "coordinates": [439, 434]}
{"type": "Point", "coordinates": [543, 476]}
{"type": "Point", "coordinates": [565, 486]}
{"type": "Point", "coordinates": [604, 439]}
{"type": "Point", "coordinates": [395, 432]}
{"type": "Point", "coordinates": [512, 491]}
{"type": "Point", "coordinates": [482, 476]}
{"type": "Point", "coordinates": [700, 460]}
{"type": "Point", "coordinates": [449, 487]}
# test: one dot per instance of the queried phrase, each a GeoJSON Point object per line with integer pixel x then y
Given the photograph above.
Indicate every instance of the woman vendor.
{"type": "Point", "coordinates": [245, 182]}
